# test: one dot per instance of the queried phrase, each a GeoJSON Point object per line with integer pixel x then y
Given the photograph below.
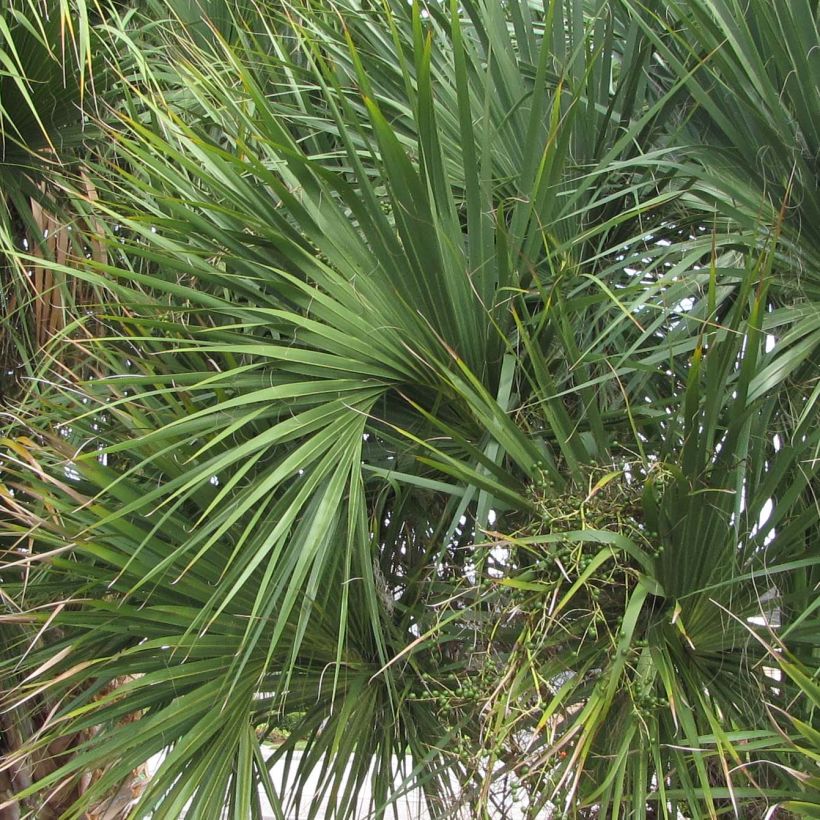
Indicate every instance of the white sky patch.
{"type": "Point", "coordinates": [501, 556]}
{"type": "Point", "coordinates": [765, 513]}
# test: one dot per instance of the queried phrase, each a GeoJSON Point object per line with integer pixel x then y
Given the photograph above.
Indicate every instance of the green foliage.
{"type": "Point", "coordinates": [54, 86]}
{"type": "Point", "coordinates": [451, 397]}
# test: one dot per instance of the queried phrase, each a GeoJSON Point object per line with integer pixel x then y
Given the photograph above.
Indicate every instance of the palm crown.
{"type": "Point", "coordinates": [455, 397]}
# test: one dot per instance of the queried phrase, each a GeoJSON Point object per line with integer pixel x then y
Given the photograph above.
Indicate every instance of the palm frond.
{"type": "Point", "coordinates": [434, 412]}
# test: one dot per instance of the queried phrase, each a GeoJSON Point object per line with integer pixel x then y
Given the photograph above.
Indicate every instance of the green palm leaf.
{"type": "Point", "coordinates": [435, 415]}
